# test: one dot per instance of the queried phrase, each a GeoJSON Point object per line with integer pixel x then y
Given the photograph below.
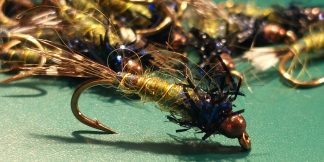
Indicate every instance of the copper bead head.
{"type": "Point", "coordinates": [274, 32]}
{"type": "Point", "coordinates": [178, 41]}
{"type": "Point", "coordinates": [234, 127]}
{"type": "Point", "coordinates": [133, 66]}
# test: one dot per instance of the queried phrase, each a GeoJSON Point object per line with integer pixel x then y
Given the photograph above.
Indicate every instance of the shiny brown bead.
{"type": "Point", "coordinates": [134, 67]}
{"type": "Point", "coordinates": [233, 127]}
{"type": "Point", "coordinates": [178, 41]}
{"type": "Point", "coordinates": [274, 32]}
{"type": "Point", "coordinates": [228, 60]}
{"type": "Point", "coordinates": [312, 13]}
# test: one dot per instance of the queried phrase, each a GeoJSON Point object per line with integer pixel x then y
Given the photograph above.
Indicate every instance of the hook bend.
{"type": "Point", "coordinates": [75, 107]}
{"type": "Point", "coordinates": [294, 81]}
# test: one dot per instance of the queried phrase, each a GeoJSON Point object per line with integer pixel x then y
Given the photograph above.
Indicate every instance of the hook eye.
{"type": "Point", "coordinates": [75, 107]}
{"type": "Point", "coordinates": [245, 141]}
{"type": "Point", "coordinates": [294, 81]}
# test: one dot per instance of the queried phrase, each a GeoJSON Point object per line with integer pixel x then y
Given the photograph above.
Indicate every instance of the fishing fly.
{"type": "Point", "coordinates": [200, 102]}
{"type": "Point", "coordinates": [190, 106]}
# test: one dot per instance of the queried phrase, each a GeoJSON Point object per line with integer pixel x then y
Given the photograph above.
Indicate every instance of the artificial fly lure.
{"type": "Point", "coordinates": [127, 43]}
{"type": "Point", "coordinates": [265, 57]}
{"type": "Point", "coordinates": [98, 41]}
{"type": "Point", "coordinates": [208, 111]}
{"type": "Point", "coordinates": [240, 27]}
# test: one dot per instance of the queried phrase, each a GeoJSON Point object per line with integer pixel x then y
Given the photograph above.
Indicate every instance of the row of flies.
{"type": "Point", "coordinates": [123, 42]}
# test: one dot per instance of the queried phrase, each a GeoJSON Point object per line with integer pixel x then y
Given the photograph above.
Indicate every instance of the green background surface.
{"type": "Point", "coordinates": [285, 124]}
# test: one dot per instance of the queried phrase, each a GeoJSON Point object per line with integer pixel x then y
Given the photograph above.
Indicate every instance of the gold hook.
{"type": "Point", "coordinates": [75, 108]}
{"type": "Point", "coordinates": [141, 1]}
{"type": "Point", "coordinates": [147, 32]}
{"type": "Point", "coordinates": [3, 18]}
{"type": "Point", "coordinates": [237, 74]}
{"type": "Point", "coordinates": [291, 79]}
{"type": "Point", "coordinates": [165, 22]}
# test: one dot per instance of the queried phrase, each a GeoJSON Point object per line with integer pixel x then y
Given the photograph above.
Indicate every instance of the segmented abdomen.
{"type": "Point", "coordinates": [311, 42]}
{"type": "Point", "coordinates": [169, 96]}
{"type": "Point", "coordinates": [20, 56]}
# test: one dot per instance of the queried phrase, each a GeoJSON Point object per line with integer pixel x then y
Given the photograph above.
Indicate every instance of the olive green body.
{"type": "Point", "coordinates": [169, 96]}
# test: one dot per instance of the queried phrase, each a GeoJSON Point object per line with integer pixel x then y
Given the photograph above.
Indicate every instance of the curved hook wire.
{"type": "Point", "coordinates": [237, 74]}
{"type": "Point", "coordinates": [147, 32]}
{"type": "Point", "coordinates": [3, 18]}
{"type": "Point", "coordinates": [75, 106]}
{"type": "Point", "coordinates": [294, 81]}
{"type": "Point", "coordinates": [245, 141]}
{"type": "Point", "coordinates": [169, 18]}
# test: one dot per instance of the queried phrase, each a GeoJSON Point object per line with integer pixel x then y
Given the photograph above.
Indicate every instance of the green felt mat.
{"type": "Point", "coordinates": [285, 124]}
